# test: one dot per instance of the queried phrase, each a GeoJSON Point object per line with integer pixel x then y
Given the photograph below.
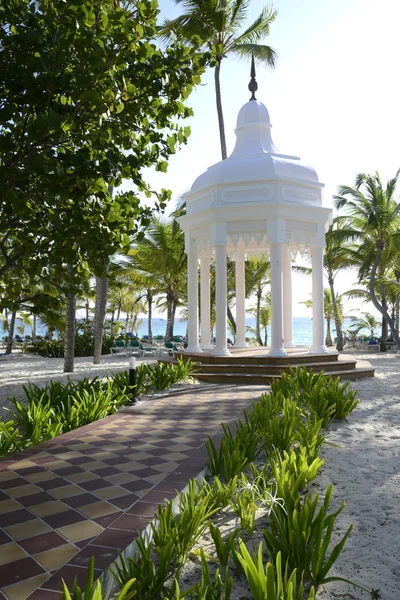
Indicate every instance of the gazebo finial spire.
{"type": "Point", "coordinates": [253, 85]}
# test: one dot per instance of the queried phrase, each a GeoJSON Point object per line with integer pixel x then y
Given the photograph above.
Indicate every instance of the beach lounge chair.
{"type": "Point", "coordinates": [119, 347]}
{"type": "Point", "coordinates": [170, 349]}
{"type": "Point", "coordinates": [133, 347]}
{"type": "Point", "coordinates": [147, 351]}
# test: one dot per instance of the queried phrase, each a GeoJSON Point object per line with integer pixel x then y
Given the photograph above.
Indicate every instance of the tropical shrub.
{"type": "Point", "coordinates": [10, 439]}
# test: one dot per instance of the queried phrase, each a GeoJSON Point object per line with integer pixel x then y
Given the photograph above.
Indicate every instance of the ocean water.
{"type": "Point", "coordinates": [302, 328]}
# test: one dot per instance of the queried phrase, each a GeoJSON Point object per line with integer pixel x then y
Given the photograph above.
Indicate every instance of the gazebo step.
{"type": "Point", "coordinates": [266, 379]}
{"type": "Point", "coordinates": [255, 357]}
{"type": "Point", "coordinates": [263, 369]}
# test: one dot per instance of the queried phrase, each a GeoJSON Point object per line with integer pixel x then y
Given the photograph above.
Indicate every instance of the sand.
{"type": "Point", "coordinates": [365, 469]}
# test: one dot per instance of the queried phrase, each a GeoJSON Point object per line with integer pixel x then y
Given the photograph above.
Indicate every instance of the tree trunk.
{"type": "Point", "coordinates": [379, 307]}
{"type": "Point", "coordinates": [338, 326]}
{"type": "Point", "coordinates": [149, 316]}
{"type": "Point", "coordinates": [170, 321]}
{"type": "Point", "coordinates": [397, 304]}
{"type": "Point", "coordinates": [219, 110]}
{"type": "Point", "coordinates": [34, 329]}
{"type": "Point", "coordinates": [10, 332]}
{"type": "Point", "coordinates": [69, 340]}
{"type": "Point", "coordinates": [87, 312]}
{"type": "Point", "coordinates": [100, 313]}
{"type": "Point", "coordinates": [384, 335]}
{"type": "Point", "coordinates": [119, 311]}
{"type": "Point", "coordinates": [231, 318]}
{"type": "Point", "coordinates": [266, 336]}
{"type": "Point", "coordinates": [328, 339]}
{"type": "Point", "coordinates": [258, 336]}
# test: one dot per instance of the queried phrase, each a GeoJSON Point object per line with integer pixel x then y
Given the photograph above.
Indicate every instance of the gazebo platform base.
{"type": "Point", "coordinates": [254, 366]}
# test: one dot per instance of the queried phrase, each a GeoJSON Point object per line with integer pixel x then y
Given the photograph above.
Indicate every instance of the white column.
{"type": "Point", "coordinates": [221, 348]}
{"type": "Point", "coordinates": [240, 341]}
{"type": "Point", "coordinates": [317, 258]}
{"type": "Point", "coordinates": [276, 261]}
{"type": "Point", "coordinates": [287, 299]}
{"type": "Point", "coordinates": [193, 303]}
{"type": "Point", "coordinates": [205, 343]}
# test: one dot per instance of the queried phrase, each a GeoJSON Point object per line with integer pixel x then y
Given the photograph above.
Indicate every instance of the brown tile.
{"type": "Point", "coordinates": [25, 588]}
{"type": "Point", "coordinates": [69, 471]}
{"type": "Point", "coordinates": [80, 460]}
{"type": "Point", "coordinates": [49, 508]}
{"type": "Point", "coordinates": [68, 517]}
{"type": "Point", "coordinates": [108, 520]}
{"type": "Point", "coordinates": [159, 496]}
{"type": "Point", "coordinates": [22, 465]}
{"type": "Point", "coordinates": [41, 543]}
{"type": "Point", "coordinates": [144, 509]}
{"type": "Point", "coordinates": [59, 464]}
{"type": "Point", "coordinates": [107, 471]}
{"type": "Point", "coordinates": [10, 553]}
{"type": "Point", "coordinates": [80, 531]}
{"type": "Point", "coordinates": [66, 491]}
{"type": "Point", "coordinates": [130, 466]}
{"type": "Point", "coordinates": [4, 538]}
{"type": "Point", "coordinates": [130, 523]}
{"type": "Point", "coordinates": [117, 538]}
{"type": "Point", "coordinates": [27, 529]}
{"type": "Point", "coordinates": [97, 509]}
{"type": "Point", "coordinates": [125, 502]}
{"type": "Point", "coordinates": [81, 477]}
{"type": "Point", "coordinates": [145, 472]}
{"type": "Point", "coordinates": [103, 557]}
{"type": "Point", "coordinates": [82, 499]}
{"type": "Point", "coordinates": [11, 484]}
{"type": "Point", "coordinates": [95, 484]}
{"type": "Point", "coordinates": [44, 595]}
{"type": "Point", "coordinates": [137, 486]}
{"type": "Point", "coordinates": [15, 517]}
{"type": "Point", "coordinates": [36, 499]}
{"type": "Point", "coordinates": [18, 570]}
{"type": "Point", "coordinates": [56, 557]}
{"type": "Point", "coordinates": [68, 573]}
{"type": "Point", "coordinates": [54, 483]}
{"type": "Point", "coordinates": [156, 478]}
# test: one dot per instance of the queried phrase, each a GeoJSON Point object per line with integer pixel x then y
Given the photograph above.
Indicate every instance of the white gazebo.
{"type": "Point", "coordinates": [257, 201]}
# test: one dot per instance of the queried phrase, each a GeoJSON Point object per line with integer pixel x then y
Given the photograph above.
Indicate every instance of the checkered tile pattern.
{"type": "Point", "coordinates": [89, 492]}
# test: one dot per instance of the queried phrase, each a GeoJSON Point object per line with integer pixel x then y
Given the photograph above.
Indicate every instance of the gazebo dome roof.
{"type": "Point", "coordinates": [255, 159]}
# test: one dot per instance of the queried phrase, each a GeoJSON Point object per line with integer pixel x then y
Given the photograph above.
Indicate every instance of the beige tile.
{"type": "Point", "coordinates": [97, 509]}
{"type": "Point", "coordinates": [38, 477]}
{"type": "Point", "coordinates": [166, 467]}
{"type": "Point", "coordinates": [66, 491]}
{"type": "Point", "coordinates": [175, 456]}
{"type": "Point", "coordinates": [102, 455]}
{"type": "Point", "coordinates": [56, 557]}
{"type": "Point", "coordinates": [23, 490]}
{"type": "Point", "coordinates": [177, 448]}
{"type": "Point", "coordinates": [68, 455]}
{"type": "Point", "coordinates": [80, 477]}
{"type": "Point", "coordinates": [130, 466]}
{"type": "Point", "coordinates": [123, 438]}
{"type": "Point", "coordinates": [8, 506]}
{"type": "Point", "coordinates": [27, 529]}
{"type": "Point", "coordinates": [80, 531]}
{"type": "Point", "coordinates": [156, 478]}
{"type": "Point", "coordinates": [7, 475]}
{"type": "Point", "coordinates": [138, 456]}
{"type": "Point", "coordinates": [82, 446]}
{"type": "Point", "coordinates": [10, 553]}
{"type": "Point", "coordinates": [112, 446]}
{"type": "Point", "coordinates": [120, 478]}
{"type": "Point", "coordinates": [58, 464]}
{"type": "Point", "coordinates": [22, 590]}
{"type": "Point", "coordinates": [93, 466]}
{"type": "Point", "coordinates": [143, 492]}
{"type": "Point", "coordinates": [93, 438]}
{"type": "Point", "coordinates": [111, 492]}
{"type": "Point", "coordinates": [49, 508]}
{"type": "Point", "coordinates": [23, 464]}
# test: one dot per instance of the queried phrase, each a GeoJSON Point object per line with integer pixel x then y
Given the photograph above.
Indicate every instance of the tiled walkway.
{"type": "Point", "coordinates": [88, 492]}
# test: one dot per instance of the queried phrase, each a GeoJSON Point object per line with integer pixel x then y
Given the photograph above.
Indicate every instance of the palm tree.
{"type": "Point", "coordinates": [218, 23]}
{"type": "Point", "coordinates": [372, 220]}
{"type": "Point", "coordinates": [257, 276]}
{"type": "Point", "coordinates": [336, 258]}
{"type": "Point", "coordinates": [161, 255]}
{"type": "Point", "coordinates": [262, 313]}
{"type": "Point", "coordinates": [329, 312]}
{"type": "Point", "coordinates": [368, 322]}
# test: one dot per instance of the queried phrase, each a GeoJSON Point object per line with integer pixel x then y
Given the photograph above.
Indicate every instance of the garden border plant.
{"type": "Point", "coordinates": [294, 568]}
{"type": "Point", "coordinates": [59, 407]}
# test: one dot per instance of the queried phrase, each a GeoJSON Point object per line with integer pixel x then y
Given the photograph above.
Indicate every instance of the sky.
{"type": "Point", "coordinates": [332, 99]}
